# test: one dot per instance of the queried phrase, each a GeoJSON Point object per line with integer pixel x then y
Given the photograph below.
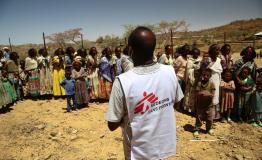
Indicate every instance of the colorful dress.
{"type": "Point", "coordinates": [226, 96]}
{"type": "Point", "coordinates": [10, 90]}
{"type": "Point", "coordinates": [92, 71]}
{"type": "Point", "coordinates": [46, 79]}
{"type": "Point", "coordinates": [257, 106]}
{"type": "Point", "coordinates": [58, 76]}
{"type": "Point", "coordinates": [82, 96]}
{"type": "Point", "coordinates": [5, 97]}
{"type": "Point", "coordinates": [244, 98]}
{"type": "Point", "coordinates": [31, 67]}
{"type": "Point", "coordinates": [192, 68]}
{"type": "Point", "coordinates": [107, 78]}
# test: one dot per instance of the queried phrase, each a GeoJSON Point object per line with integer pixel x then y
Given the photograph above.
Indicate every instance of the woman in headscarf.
{"type": "Point", "coordinates": [79, 74]}
{"type": "Point", "coordinates": [106, 72]}
{"type": "Point", "coordinates": [58, 72]}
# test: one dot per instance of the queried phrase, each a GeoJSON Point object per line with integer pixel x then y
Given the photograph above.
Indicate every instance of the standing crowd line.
{"type": "Point", "coordinates": [214, 86]}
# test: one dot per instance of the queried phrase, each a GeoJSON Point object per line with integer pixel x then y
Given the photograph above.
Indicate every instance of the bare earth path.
{"type": "Point", "coordinates": [40, 130]}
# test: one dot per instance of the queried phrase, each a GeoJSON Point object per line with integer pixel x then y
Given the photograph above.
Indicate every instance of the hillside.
{"type": "Point", "coordinates": [239, 30]}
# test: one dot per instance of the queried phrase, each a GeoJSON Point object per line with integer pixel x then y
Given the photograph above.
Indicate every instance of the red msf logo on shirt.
{"type": "Point", "coordinates": [144, 104]}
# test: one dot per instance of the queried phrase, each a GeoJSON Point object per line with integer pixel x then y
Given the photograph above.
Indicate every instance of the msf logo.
{"type": "Point", "coordinates": [144, 104]}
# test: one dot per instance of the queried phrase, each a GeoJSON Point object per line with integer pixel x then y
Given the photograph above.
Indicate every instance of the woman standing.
{"type": "Point", "coordinates": [92, 69]}
{"type": "Point", "coordinates": [31, 67]}
{"type": "Point", "coordinates": [46, 79]}
{"type": "Point", "coordinates": [106, 72]}
{"type": "Point", "coordinates": [216, 67]}
{"type": "Point", "coordinates": [58, 72]}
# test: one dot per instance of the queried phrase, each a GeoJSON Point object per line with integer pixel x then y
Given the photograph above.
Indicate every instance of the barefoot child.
{"type": "Point", "coordinates": [205, 108]}
{"type": "Point", "coordinates": [227, 88]}
{"type": "Point", "coordinates": [69, 85]}
{"type": "Point", "coordinates": [257, 99]}
{"type": "Point", "coordinates": [246, 86]}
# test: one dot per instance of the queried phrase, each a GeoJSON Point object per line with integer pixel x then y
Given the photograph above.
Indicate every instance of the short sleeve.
{"type": "Point", "coordinates": [179, 94]}
{"type": "Point", "coordinates": [116, 110]}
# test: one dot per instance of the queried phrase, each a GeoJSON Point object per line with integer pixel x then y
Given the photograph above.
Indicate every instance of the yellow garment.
{"type": "Point", "coordinates": [58, 76]}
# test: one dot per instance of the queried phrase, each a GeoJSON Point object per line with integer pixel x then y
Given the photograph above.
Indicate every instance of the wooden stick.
{"type": "Point", "coordinates": [44, 40]}
{"type": "Point", "coordinates": [10, 45]}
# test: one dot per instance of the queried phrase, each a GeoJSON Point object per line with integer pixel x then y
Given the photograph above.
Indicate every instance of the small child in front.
{"type": "Point", "coordinates": [205, 109]}
{"type": "Point", "coordinates": [69, 85]}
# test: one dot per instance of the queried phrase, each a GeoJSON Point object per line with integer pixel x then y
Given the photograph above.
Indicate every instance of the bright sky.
{"type": "Point", "coordinates": [25, 20]}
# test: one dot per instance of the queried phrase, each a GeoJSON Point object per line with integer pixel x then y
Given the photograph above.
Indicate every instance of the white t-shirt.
{"type": "Point", "coordinates": [118, 110]}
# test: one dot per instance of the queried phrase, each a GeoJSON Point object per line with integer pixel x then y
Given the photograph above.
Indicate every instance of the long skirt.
{"type": "Point", "coordinates": [46, 81]}
{"type": "Point", "coordinates": [105, 88]}
{"type": "Point", "coordinates": [10, 90]}
{"type": "Point", "coordinates": [190, 95]}
{"type": "Point", "coordinates": [4, 98]}
{"type": "Point", "coordinates": [58, 76]}
{"type": "Point", "coordinates": [256, 104]}
{"type": "Point", "coordinates": [94, 84]}
{"type": "Point", "coordinates": [82, 96]}
{"type": "Point", "coordinates": [33, 84]}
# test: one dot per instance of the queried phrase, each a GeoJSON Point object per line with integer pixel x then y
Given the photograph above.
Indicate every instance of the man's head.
{"type": "Point", "coordinates": [142, 42]}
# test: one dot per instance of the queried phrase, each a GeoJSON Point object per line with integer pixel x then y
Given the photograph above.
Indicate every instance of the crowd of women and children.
{"type": "Point", "coordinates": [214, 85]}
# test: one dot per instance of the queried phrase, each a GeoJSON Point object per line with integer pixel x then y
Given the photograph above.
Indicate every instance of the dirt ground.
{"type": "Point", "coordinates": [41, 130]}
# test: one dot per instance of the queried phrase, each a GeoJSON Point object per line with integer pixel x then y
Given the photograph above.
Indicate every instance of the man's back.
{"type": "Point", "coordinates": [150, 94]}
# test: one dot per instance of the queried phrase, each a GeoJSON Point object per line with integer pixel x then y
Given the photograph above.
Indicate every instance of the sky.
{"type": "Point", "coordinates": [25, 20]}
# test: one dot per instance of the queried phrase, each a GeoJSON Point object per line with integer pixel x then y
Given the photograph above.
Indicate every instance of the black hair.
{"type": "Point", "coordinates": [82, 52]}
{"type": "Point", "coordinates": [59, 52]}
{"type": "Point", "coordinates": [245, 67]}
{"type": "Point", "coordinates": [142, 46]}
{"type": "Point", "coordinates": [247, 50]}
{"type": "Point", "coordinates": [69, 51]}
{"type": "Point", "coordinates": [195, 50]}
{"type": "Point", "coordinates": [167, 46]}
{"type": "Point", "coordinates": [91, 51]}
{"type": "Point", "coordinates": [13, 56]}
{"type": "Point", "coordinates": [118, 47]}
{"type": "Point", "coordinates": [213, 48]}
{"type": "Point", "coordinates": [32, 52]}
{"type": "Point", "coordinates": [206, 70]}
{"type": "Point", "coordinates": [42, 51]}
{"type": "Point", "coordinates": [224, 47]}
{"type": "Point", "coordinates": [185, 49]}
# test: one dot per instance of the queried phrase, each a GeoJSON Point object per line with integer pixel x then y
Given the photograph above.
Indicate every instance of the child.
{"type": "Point", "coordinates": [226, 59]}
{"type": "Point", "coordinates": [246, 86]}
{"type": "Point", "coordinates": [69, 85]}
{"type": "Point", "coordinates": [205, 108]}
{"type": "Point", "coordinates": [78, 73]}
{"type": "Point", "coordinates": [257, 99]}
{"type": "Point", "coordinates": [227, 88]}
{"type": "Point", "coordinates": [9, 88]}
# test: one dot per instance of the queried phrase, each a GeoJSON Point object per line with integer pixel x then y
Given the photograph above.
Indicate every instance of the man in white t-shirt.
{"type": "Point", "coordinates": [142, 101]}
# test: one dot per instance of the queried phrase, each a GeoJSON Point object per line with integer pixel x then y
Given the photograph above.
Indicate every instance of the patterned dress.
{"type": "Point", "coordinates": [92, 70]}
{"type": "Point", "coordinates": [226, 96]}
{"type": "Point", "coordinates": [33, 83]}
{"type": "Point", "coordinates": [82, 96]}
{"type": "Point", "coordinates": [46, 79]}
